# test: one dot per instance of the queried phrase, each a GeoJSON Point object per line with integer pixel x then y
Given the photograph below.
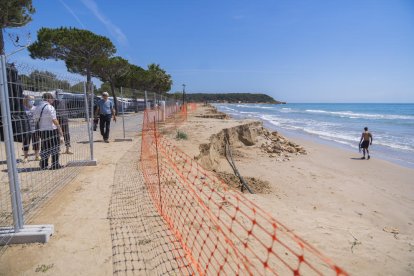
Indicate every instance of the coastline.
{"type": "Point", "coordinates": [357, 212]}
{"type": "Point", "coordinates": [378, 150]}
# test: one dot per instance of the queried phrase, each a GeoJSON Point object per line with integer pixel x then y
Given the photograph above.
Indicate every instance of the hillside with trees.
{"type": "Point", "coordinates": [231, 98]}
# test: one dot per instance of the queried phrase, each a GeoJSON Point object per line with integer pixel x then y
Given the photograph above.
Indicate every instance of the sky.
{"type": "Point", "coordinates": [295, 51]}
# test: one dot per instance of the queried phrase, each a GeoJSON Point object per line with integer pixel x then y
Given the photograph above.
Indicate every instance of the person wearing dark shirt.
{"type": "Point", "coordinates": [62, 114]}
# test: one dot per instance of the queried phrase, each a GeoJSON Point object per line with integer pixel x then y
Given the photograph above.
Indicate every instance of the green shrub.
{"type": "Point", "coordinates": [181, 135]}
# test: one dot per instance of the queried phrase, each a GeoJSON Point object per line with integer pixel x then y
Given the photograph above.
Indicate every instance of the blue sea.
{"type": "Point", "coordinates": [392, 125]}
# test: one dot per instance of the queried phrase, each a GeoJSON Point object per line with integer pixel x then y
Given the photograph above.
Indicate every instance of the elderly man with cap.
{"type": "Point", "coordinates": [50, 131]}
{"type": "Point", "coordinates": [106, 111]}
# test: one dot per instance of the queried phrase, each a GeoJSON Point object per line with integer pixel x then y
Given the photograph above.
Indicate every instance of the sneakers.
{"type": "Point", "coordinates": [369, 157]}
{"type": "Point", "coordinates": [106, 141]}
{"type": "Point", "coordinates": [37, 158]}
{"type": "Point", "coordinates": [363, 157]}
{"type": "Point", "coordinates": [56, 167]}
{"type": "Point", "coordinates": [68, 151]}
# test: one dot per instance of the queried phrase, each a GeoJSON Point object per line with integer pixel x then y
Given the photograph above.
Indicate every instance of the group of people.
{"type": "Point", "coordinates": [49, 127]}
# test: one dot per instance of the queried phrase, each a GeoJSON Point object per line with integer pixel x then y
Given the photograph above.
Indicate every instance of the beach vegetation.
{"type": "Point", "coordinates": [181, 135]}
{"type": "Point", "coordinates": [43, 268]}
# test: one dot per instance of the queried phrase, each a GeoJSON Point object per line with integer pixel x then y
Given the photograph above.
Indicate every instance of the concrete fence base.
{"type": "Point", "coordinates": [28, 234]}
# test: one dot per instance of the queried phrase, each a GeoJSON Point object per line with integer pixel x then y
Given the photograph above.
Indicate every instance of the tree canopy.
{"type": "Point", "coordinates": [136, 78]}
{"type": "Point", "coordinates": [112, 70]}
{"type": "Point", "coordinates": [14, 13]}
{"type": "Point", "coordinates": [158, 79]}
{"type": "Point", "coordinates": [91, 55]}
{"type": "Point", "coordinates": [45, 81]}
{"type": "Point", "coordinates": [80, 49]}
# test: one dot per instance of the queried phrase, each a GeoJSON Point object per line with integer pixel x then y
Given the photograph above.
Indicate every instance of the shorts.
{"type": "Point", "coordinates": [365, 144]}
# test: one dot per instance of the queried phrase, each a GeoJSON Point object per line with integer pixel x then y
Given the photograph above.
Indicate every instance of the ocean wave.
{"type": "Point", "coordinates": [394, 145]}
{"type": "Point", "coordinates": [228, 108]}
{"type": "Point", "coordinates": [352, 115]}
{"type": "Point", "coordinates": [333, 135]}
{"type": "Point", "coordinates": [337, 130]}
{"type": "Point", "coordinates": [353, 140]}
{"type": "Point", "coordinates": [254, 106]}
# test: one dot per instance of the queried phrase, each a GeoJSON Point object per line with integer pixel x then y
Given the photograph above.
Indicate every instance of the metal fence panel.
{"type": "Point", "coordinates": [42, 163]}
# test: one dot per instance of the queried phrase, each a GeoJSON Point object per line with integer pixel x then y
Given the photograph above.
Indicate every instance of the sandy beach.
{"type": "Point", "coordinates": [357, 212]}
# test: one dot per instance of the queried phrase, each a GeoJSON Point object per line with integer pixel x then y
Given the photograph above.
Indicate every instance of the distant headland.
{"type": "Point", "coordinates": [232, 98]}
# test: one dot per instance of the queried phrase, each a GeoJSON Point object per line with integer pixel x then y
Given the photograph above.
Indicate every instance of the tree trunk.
{"type": "Point", "coordinates": [115, 99]}
{"type": "Point", "coordinates": [88, 82]}
{"type": "Point", "coordinates": [2, 51]}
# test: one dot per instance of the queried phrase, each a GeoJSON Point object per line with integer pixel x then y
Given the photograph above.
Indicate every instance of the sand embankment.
{"type": "Point", "coordinates": [357, 212]}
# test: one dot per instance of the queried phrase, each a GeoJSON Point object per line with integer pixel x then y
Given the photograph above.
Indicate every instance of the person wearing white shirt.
{"type": "Point", "coordinates": [51, 134]}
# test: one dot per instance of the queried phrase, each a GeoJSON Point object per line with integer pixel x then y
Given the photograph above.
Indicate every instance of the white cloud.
{"type": "Point", "coordinates": [112, 28]}
{"type": "Point", "coordinates": [72, 13]}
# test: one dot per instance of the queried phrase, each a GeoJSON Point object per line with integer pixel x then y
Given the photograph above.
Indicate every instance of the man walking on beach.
{"type": "Point", "coordinates": [106, 111]}
{"type": "Point", "coordinates": [365, 142]}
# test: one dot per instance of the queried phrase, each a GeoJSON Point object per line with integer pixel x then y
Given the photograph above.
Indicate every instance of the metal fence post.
{"type": "Point", "coordinates": [123, 119]}
{"type": "Point", "coordinates": [11, 155]}
{"type": "Point", "coordinates": [20, 233]}
{"type": "Point", "coordinates": [88, 121]}
{"type": "Point", "coordinates": [92, 104]}
{"type": "Point", "coordinates": [89, 114]}
{"type": "Point", "coordinates": [147, 104]}
{"type": "Point", "coordinates": [158, 164]}
{"type": "Point", "coordinates": [145, 99]}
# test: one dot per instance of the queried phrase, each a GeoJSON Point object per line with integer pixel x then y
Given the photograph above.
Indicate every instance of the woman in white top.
{"type": "Point", "coordinates": [50, 131]}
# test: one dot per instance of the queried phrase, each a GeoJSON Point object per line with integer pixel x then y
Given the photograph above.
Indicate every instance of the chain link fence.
{"type": "Point", "coordinates": [34, 161]}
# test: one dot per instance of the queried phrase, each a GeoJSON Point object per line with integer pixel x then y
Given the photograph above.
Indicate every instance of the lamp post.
{"type": "Point", "coordinates": [183, 94]}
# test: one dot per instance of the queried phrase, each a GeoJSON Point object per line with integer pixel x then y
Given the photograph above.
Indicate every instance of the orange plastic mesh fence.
{"type": "Point", "coordinates": [220, 229]}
